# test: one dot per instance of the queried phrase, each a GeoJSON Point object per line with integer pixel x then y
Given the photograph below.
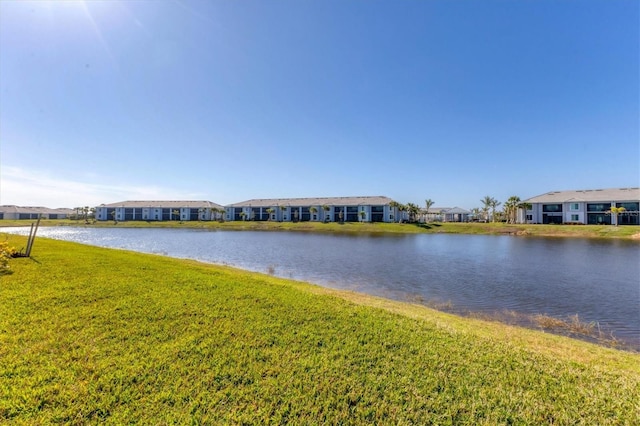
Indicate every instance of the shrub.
{"type": "Point", "coordinates": [6, 253]}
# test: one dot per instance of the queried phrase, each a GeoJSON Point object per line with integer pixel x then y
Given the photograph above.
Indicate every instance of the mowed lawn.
{"type": "Point", "coordinates": [92, 335]}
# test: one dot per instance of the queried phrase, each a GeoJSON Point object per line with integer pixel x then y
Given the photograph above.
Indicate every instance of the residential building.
{"type": "Point", "coordinates": [323, 209]}
{"type": "Point", "coordinates": [160, 210]}
{"type": "Point", "coordinates": [20, 212]}
{"type": "Point", "coordinates": [589, 206]}
{"type": "Point", "coordinates": [447, 214]}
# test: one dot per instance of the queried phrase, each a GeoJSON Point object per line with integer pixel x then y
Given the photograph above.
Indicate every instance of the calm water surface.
{"type": "Point", "coordinates": [597, 279]}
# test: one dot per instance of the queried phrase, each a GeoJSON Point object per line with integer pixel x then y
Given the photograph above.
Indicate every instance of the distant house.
{"type": "Point", "coordinates": [323, 209]}
{"type": "Point", "coordinates": [589, 206]}
{"type": "Point", "coordinates": [447, 214]}
{"type": "Point", "coordinates": [160, 210]}
{"type": "Point", "coordinates": [20, 213]}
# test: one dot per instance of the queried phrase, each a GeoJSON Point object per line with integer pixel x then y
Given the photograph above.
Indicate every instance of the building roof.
{"type": "Point", "coordinates": [614, 194]}
{"type": "Point", "coordinates": [163, 204]}
{"type": "Point", "coordinates": [448, 210]}
{"type": "Point", "coordinates": [33, 209]}
{"type": "Point", "coordinates": [321, 201]}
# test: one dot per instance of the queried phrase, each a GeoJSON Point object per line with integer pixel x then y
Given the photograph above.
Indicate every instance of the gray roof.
{"type": "Point", "coordinates": [614, 194]}
{"type": "Point", "coordinates": [32, 210]}
{"type": "Point", "coordinates": [163, 204]}
{"type": "Point", "coordinates": [449, 210]}
{"type": "Point", "coordinates": [321, 201]}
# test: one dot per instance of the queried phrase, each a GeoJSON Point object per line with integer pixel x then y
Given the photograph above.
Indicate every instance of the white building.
{"type": "Point", "coordinates": [447, 214]}
{"type": "Point", "coordinates": [25, 213]}
{"type": "Point", "coordinates": [590, 206]}
{"type": "Point", "coordinates": [327, 209]}
{"type": "Point", "coordinates": [160, 211]}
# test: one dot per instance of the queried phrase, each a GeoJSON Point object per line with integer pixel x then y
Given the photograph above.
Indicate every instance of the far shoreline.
{"type": "Point", "coordinates": [624, 232]}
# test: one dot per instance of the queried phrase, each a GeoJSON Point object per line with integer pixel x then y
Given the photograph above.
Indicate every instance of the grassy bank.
{"type": "Point", "coordinates": [91, 335]}
{"type": "Point", "coordinates": [581, 231]}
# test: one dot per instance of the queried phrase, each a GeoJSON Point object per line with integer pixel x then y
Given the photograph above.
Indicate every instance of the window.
{"type": "Point", "coordinates": [575, 218]}
{"type": "Point", "coordinates": [599, 207]}
{"type": "Point", "coordinates": [630, 207]}
{"type": "Point", "coordinates": [575, 206]}
{"type": "Point", "coordinates": [552, 208]}
{"type": "Point", "coordinates": [529, 217]}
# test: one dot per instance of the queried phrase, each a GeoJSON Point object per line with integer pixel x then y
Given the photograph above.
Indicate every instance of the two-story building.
{"type": "Point", "coordinates": [159, 210]}
{"type": "Point", "coordinates": [589, 206]}
{"type": "Point", "coordinates": [323, 209]}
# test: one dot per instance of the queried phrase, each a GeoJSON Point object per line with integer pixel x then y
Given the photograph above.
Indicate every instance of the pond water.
{"type": "Point", "coordinates": [599, 280]}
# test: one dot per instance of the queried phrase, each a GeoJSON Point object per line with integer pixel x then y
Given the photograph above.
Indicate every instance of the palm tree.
{"type": "Point", "coordinates": [176, 213]}
{"type": "Point", "coordinates": [494, 205]}
{"type": "Point", "coordinates": [413, 210]}
{"type": "Point", "coordinates": [270, 211]}
{"type": "Point", "coordinates": [428, 203]}
{"type": "Point", "coordinates": [313, 210]}
{"type": "Point", "coordinates": [243, 215]}
{"type": "Point", "coordinates": [363, 215]}
{"type": "Point", "coordinates": [614, 212]}
{"type": "Point", "coordinates": [283, 210]}
{"type": "Point", "coordinates": [486, 204]}
{"type": "Point", "coordinates": [511, 208]}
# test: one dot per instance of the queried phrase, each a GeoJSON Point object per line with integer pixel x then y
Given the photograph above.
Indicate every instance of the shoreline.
{"type": "Point", "coordinates": [569, 325]}
{"type": "Point", "coordinates": [627, 233]}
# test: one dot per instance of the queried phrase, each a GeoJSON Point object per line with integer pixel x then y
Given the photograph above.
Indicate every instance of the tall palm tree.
{"type": "Point", "coordinates": [176, 213]}
{"type": "Point", "coordinates": [312, 210]}
{"type": "Point", "coordinates": [428, 203]}
{"type": "Point", "coordinates": [283, 209]}
{"type": "Point", "coordinates": [511, 208]}
{"type": "Point", "coordinates": [486, 205]}
{"type": "Point", "coordinates": [614, 212]}
{"type": "Point", "coordinates": [363, 215]}
{"type": "Point", "coordinates": [494, 205]}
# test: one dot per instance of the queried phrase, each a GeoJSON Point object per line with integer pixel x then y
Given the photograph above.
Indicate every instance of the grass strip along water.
{"type": "Point", "coordinates": [580, 231]}
{"type": "Point", "coordinates": [93, 335]}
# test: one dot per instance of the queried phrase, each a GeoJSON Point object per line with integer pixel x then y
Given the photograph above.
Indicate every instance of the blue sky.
{"type": "Point", "coordinates": [102, 101]}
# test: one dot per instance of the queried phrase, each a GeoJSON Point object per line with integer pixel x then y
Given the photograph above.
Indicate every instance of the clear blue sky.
{"type": "Point", "coordinates": [103, 101]}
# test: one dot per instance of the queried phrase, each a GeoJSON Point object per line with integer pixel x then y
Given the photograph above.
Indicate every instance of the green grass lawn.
{"type": "Point", "coordinates": [584, 231]}
{"type": "Point", "coordinates": [92, 335]}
